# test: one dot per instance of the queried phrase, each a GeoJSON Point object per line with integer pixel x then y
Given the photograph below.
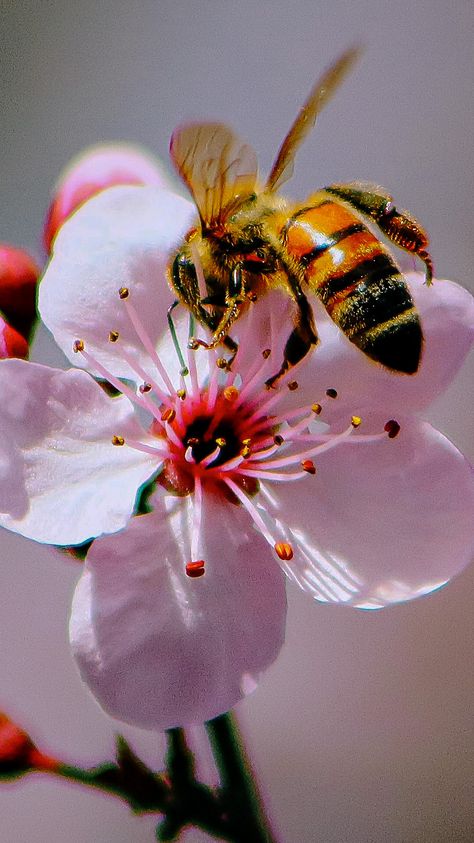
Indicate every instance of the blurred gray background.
{"type": "Point", "coordinates": [362, 732]}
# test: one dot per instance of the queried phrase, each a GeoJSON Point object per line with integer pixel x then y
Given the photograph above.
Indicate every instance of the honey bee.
{"type": "Point", "coordinates": [249, 240]}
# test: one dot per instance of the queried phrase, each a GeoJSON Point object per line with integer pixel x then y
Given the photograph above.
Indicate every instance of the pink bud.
{"type": "Point", "coordinates": [94, 170]}
{"type": "Point", "coordinates": [12, 344]}
{"type": "Point", "coordinates": [18, 276]}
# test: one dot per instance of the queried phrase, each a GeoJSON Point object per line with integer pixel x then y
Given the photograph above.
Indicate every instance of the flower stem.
{"type": "Point", "coordinates": [239, 791]}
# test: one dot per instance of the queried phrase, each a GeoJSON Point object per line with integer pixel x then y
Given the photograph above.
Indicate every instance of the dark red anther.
{"type": "Point", "coordinates": [195, 569]}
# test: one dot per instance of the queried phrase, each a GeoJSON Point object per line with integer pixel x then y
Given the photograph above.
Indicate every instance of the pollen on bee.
{"type": "Point", "coordinates": [118, 440]}
{"type": "Point", "coordinates": [195, 569]}
{"type": "Point", "coordinates": [168, 415]}
{"type": "Point", "coordinates": [331, 393]}
{"type": "Point", "coordinates": [356, 421]}
{"type": "Point", "coordinates": [317, 409]}
{"type": "Point", "coordinates": [124, 293]}
{"type": "Point", "coordinates": [309, 466]}
{"type": "Point", "coordinates": [293, 385]}
{"type": "Point", "coordinates": [78, 345]}
{"type": "Point", "coordinates": [113, 336]}
{"type": "Point", "coordinates": [266, 353]}
{"type": "Point", "coordinates": [144, 387]}
{"type": "Point", "coordinates": [231, 393]}
{"type": "Point", "coordinates": [392, 428]}
{"type": "Point", "coordinates": [284, 551]}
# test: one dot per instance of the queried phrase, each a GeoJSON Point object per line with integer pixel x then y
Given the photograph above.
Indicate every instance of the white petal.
{"type": "Point", "coordinates": [382, 522]}
{"type": "Point", "coordinates": [61, 479]}
{"type": "Point", "coordinates": [121, 238]}
{"type": "Point", "coordinates": [159, 649]}
{"type": "Point", "coordinates": [447, 317]}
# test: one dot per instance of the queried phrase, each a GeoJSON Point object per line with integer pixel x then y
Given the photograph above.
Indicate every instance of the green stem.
{"type": "Point", "coordinates": [239, 790]}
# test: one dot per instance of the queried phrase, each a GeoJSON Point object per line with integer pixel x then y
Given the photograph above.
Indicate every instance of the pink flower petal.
{"type": "Point", "coordinates": [160, 649]}
{"type": "Point", "coordinates": [121, 238]}
{"type": "Point", "coordinates": [382, 522]}
{"type": "Point", "coordinates": [61, 479]}
{"type": "Point", "coordinates": [94, 170]}
{"type": "Point", "coordinates": [447, 316]}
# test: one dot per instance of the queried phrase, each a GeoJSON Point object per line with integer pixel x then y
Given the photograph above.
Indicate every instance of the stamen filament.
{"type": "Point", "coordinates": [197, 518]}
{"type": "Point", "coordinates": [263, 474]}
{"type": "Point", "coordinates": [251, 509]}
{"type": "Point", "coordinates": [145, 339]}
{"type": "Point", "coordinates": [122, 387]}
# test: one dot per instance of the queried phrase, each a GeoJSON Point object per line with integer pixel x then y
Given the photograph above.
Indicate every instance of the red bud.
{"type": "Point", "coordinates": [12, 344]}
{"type": "Point", "coordinates": [18, 753]}
{"type": "Point", "coordinates": [18, 276]}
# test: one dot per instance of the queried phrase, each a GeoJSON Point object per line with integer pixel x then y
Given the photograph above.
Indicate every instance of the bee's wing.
{"type": "Point", "coordinates": [219, 170]}
{"type": "Point", "coordinates": [320, 94]}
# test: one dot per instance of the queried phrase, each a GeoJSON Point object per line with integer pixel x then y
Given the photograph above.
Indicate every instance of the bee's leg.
{"type": "Point", "coordinates": [399, 226]}
{"type": "Point", "coordinates": [302, 337]}
{"type": "Point", "coordinates": [235, 298]}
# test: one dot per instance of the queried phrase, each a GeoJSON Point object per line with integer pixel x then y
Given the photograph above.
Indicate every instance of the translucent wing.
{"type": "Point", "coordinates": [320, 94]}
{"type": "Point", "coordinates": [219, 170]}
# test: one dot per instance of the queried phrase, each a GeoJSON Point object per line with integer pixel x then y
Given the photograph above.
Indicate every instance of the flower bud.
{"type": "Point", "coordinates": [18, 753]}
{"type": "Point", "coordinates": [94, 170]}
{"type": "Point", "coordinates": [12, 344]}
{"type": "Point", "coordinates": [18, 276]}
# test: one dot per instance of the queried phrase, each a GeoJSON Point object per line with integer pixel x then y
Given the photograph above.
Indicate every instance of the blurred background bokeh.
{"type": "Point", "coordinates": [362, 731]}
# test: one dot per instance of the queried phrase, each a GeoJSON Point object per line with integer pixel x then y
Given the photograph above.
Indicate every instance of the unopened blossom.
{"type": "Point", "coordinates": [330, 477]}
{"type": "Point", "coordinates": [95, 169]}
{"type": "Point", "coordinates": [18, 277]}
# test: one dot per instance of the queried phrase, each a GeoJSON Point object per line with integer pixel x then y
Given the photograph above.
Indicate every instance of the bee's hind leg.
{"type": "Point", "coordinates": [399, 226]}
{"type": "Point", "coordinates": [300, 341]}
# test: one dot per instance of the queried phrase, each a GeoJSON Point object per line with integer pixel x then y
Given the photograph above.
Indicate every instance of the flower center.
{"type": "Point", "coordinates": [208, 432]}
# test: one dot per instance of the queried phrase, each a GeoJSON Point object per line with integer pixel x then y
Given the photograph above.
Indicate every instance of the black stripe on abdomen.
{"type": "Point", "coordinates": [331, 241]}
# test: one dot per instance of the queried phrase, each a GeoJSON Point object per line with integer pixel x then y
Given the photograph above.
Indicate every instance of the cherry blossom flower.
{"type": "Point", "coordinates": [331, 477]}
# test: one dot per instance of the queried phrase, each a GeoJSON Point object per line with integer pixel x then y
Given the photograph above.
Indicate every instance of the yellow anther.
{"type": "Point", "coordinates": [78, 345]}
{"type": "Point", "coordinates": [246, 441]}
{"type": "Point", "coordinates": [245, 452]}
{"type": "Point", "coordinates": [231, 393]}
{"type": "Point", "coordinates": [124, 293]}
{"type": "Point", "coordinates": [356, 421]}
{"type": "Point", "coordinates": [316, 408]}
{"type": "Point", "coordinates": [293, 385]}
{"type": "Point", "coordinates": [181, 393]}
{"type": "Point", "coordinates": [113, 336]}
{"type": "Point", "coordinates": [220, 441]}
{"type": "Point", "coordinates": [168, 415]}
{"type": "Point", "coordinates": [144, 387]}
{"type": "Point", "coordinates": [118, 440]}
{"type": "Point", "coordinates": [222, 363]}
{"type": "Point", "coordinates": [284, 551]}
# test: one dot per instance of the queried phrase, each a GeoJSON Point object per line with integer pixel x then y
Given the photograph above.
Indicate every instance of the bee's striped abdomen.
{"type": "Point", "coordinates": [358, 282]}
